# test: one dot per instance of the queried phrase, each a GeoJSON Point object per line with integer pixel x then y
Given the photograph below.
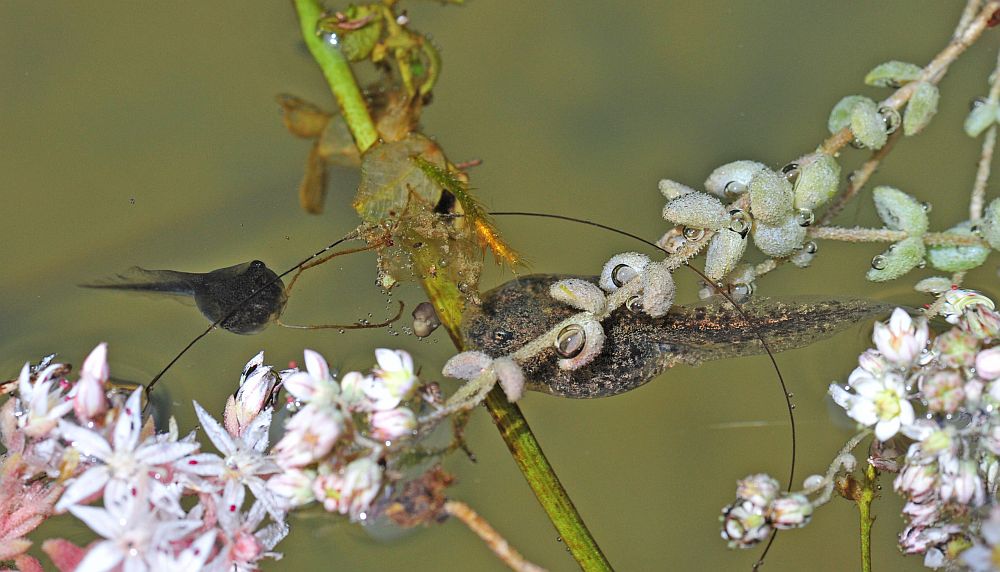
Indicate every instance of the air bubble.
{"type": "Point", "coordinates": [791, 172]}
{"type": "Point", "coordinates": [926, 206]}
{"type": "Point", "coordinates": [879, 262]}
{"type": "Point", "coordinates": [891, 118]}
{"type": "Point", "coordinates": [922, 264]}
{"type": "Point", "coordinates": [634, 305]}
{"type": "Point", "coordinates": [735, 188]}
{"type": "Point", "coordinates": [740, 292]}
{"type": "Point", "coordinates": [805, 217]}
{"type": "Point", "coordinates": [622, 274]}
{"type": "Point", "coordinates": [857, 144]}
{"type": "Point", "coordinates": [810, 247]}
{"type": "Point", "coordinates": [694, 234]}
{"type": "Point", "coordinates": [740, 222]}
{"type": "Point", "coordinates": [977, 102]}
{"type": "Point", "coordinates": [571, 341]}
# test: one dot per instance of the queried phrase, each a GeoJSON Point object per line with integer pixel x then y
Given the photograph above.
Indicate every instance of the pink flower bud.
{"type": "Point", "coordinates": [89, 396]}
{"type": "Point", "coordinates": [988, 363]}
{"type": "Point", "coordinates": [393, 424]}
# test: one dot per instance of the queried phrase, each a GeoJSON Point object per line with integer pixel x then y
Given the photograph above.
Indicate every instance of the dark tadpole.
{"type": "Point", "coordinates": [222, 295]}
{"type": "Point", "coordinates": [637, 347]}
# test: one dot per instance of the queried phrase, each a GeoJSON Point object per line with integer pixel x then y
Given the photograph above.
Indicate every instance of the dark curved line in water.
{"type": "Point", "coordinates": [770, 354]}
{"type": "Point", "coordinates": [236, 308]}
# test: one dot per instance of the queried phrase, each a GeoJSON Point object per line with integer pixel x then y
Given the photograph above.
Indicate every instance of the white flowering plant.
{"type": "Point", "coordinates": [159, 500]}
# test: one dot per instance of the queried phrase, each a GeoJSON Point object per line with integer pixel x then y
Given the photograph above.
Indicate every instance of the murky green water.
{"type": "Point", "coordinates": [148, 134]}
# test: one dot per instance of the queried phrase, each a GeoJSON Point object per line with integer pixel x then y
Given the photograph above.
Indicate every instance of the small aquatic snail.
{"type": "Point", "coordinates": [637, 347]}
{"type": "Point", "coordinates": [217, 293]}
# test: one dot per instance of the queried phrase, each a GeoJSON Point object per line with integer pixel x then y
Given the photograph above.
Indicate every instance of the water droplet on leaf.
{"type": "Point", "coordinates": [570, 341]}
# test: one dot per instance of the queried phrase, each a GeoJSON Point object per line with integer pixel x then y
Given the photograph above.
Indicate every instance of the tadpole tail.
{"type": "Point", "coordinates": [753, 327]}
{"type": "Point", "coordinates": [350, 236]}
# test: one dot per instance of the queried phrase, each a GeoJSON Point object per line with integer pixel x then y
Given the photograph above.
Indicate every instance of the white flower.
{"type": "Point", "coordinates": [961, 483]}
{"type": "Point", "coordinates": [988, 363]}
{"type": "Point", "coordinates": [392, 424]}
{"type": "Point", "coordinates": [352, 490]}
{"type": "Point", "coordinates": [243, 460]}
{"type": "Point", "coordinates": [315, 385]}
{"type": "Point", "coordinates": [293, 487]}
{"type": "Point", "coordinates": [256, 390]}
{"type": "Point", "coordinates": [880, 402]}
{"type": "Point", "coordinates": [394, 379]}
{"type": "Point", "coordinates": [39, 410]}
{"type": "Point", "coordinates": [191, 558]}
{"type": "Point", "coordinates": [132, 533]}
{"type": "Point", "coordinates": [245, 546]}
{"type": "Point", "coordinates": [125, 464]}
{"type": "Point", "coordinates": [88, 395]}
{"type": "Point", "coordinates": [900, 341]}
{"type": "Point", "coordinates": [309, 435]}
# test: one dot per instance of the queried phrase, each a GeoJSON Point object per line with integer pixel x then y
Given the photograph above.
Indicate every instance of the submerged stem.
{"type": "Point", "coordinates": [865, 515]}
{"type": "Point", "coordinates": [448, 302]}
{"type": "Point", "coordinates": [338, 74]}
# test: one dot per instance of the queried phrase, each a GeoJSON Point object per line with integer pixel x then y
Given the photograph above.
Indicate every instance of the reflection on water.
{"type": "Point", "coordinates": [574, 109]}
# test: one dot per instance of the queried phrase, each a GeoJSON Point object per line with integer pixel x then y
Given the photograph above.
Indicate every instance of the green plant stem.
{"type": "Point", "coordinates": [865, 515]}
{"type": "Point", "coordinates": [338, 74]}
{"type": "Point", "coordinates": [445, 296]}
{"type": "Point", "coordinates": [859, 234]}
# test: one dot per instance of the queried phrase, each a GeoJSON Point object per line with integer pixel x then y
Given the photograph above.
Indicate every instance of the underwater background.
{"type": "Point", "coordinates": [148, 134]}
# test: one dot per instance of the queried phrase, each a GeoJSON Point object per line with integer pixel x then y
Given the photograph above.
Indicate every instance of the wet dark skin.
{"type": "Point", "coordinates": [216, 293]}
{"type": "Point", "coordinates": [637, 347]}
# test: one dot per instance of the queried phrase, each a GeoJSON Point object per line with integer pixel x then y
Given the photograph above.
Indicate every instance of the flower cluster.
{"type": "Point", "coordinates": [70, 444]}
{"type": "Point", "coordinates": [759, 509]}
{"type": "Point", "coordinates": [334, 446]}
{"type": "Point", "coordinates": [951, 467]}
{"type": "Point", "coordinates": [938, 397]}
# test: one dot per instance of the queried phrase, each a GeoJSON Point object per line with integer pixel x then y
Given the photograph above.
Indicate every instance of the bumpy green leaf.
{"type": "Point", "coordinates": [771, 196]}
{"type": "Point", "coordinates": [672, 189]}
{"type": "Point", "coordinates": [900, 211]}
{"type": "Point", "coordinates": [893, 74]}
{"type": "Point", "coordinates": [738, 172]}
{"type": "Point", "coordinates": [819, 177]}
{"type": "Point", "coordinates": [779, 240]}
{"type": "Point", "coordinates": [867, 125]}
{"type": "Point", "coordinates": [933, 285]}
{"type": "Point", "coordinates": [990, 225]}
{"type": "Point", "coordinates": [697, 210]}
{"type": "Point", "coordinates": [921, 108]}
{"type": "Point", "coordinates": [724, 252]}
{"type": "Point", "coordinates": [897, 260]}
{"type": "Point", "coordinates": [390, 178]}
{"type": "Point", "coordinates": [980, 118]}
{"type": "Point", "coordinates": [958, 258]}
{"type": "Point", "coordinates": [840, 116]}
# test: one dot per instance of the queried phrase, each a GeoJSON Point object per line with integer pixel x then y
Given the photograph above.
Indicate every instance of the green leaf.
{"type": "Point", "coordinates": [779, 240]}
{"type": "Point", "coordinates": [893, 74]}
{"type": "Point", "coordinates": [897, 260]}
{"type": "Point", "coordinates": [699, 210]}
{"type": "Point", "coordinates": [981, 118]}
{"type": "Point", "coordinates": [390, 179]}
{"type": "Point", "coordinates": [771, 196]}
{"type": "Point", "coordinates": [867, 124]}
{"type": "Point", "coordinates": [840, 116]}
{"type": "Point", "coordinates": [990, 225]}
{"type": "Point", "coordinates": [900, 211]}
{"type": "Point", "coordinates": [356, 43]}
{"type": "Point", "coordinates": [921, 108]}
{"type": "Point", "coordinates": [819, 177]}
{"type": "Point", "coordinates": [958, 258]}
